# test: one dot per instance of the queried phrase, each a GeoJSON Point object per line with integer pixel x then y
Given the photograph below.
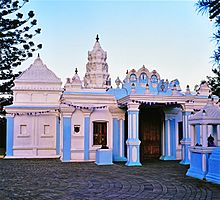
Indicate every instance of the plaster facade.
{"type": "Point", "coordinates": [145, 116]}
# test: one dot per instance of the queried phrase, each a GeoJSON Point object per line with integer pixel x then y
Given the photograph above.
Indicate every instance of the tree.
{"type": "Point", "coordinates": [213, 8]}
{"type": "Point", "coordinates": [16, 45]}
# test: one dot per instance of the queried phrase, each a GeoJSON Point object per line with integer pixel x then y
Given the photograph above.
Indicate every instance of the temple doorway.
{"type": "Point", "coordinates": [150, 132]}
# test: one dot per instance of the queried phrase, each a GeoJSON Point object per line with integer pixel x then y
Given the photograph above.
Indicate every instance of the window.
{"type": "Point", "coordinates": [143, 76]}
{"type": "Point", "coordinates": [180, 131]}
{"type": "Point", "coordinates": [133, 77]}
{"type": "Point", "coordinates": [99, 133]}
{"type": "Point", "coordinates": [154, 79]}
{"type": "Point", "coordinates": [76, 129]}
{"type": "Point", "coordinates": [46, 129]}
{"type": "Point", "coordinates": [23, 129]}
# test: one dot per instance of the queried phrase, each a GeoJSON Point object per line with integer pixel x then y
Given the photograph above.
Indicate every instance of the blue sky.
{"type": "Point", "coordinates": [168, 36]}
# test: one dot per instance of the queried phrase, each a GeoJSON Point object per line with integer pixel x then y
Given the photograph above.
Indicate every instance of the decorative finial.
{"type": "Point", "coordinates": [76, 70]}
{"type": "Point", "coordinates": [97, 38]}
{"type": "Point", "coordinates": [38, 55]}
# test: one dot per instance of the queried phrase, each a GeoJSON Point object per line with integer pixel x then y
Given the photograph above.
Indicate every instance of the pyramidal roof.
{"type": "Point", "coordinates": [38, 72]}
{"type": "Point", "coordinates": [209, 112]}
{"type": "Point", "coordinates": [97, 47]}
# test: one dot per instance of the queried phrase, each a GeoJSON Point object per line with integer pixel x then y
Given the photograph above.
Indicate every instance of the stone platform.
{"type": "Point", "coordinates": [52, 179]}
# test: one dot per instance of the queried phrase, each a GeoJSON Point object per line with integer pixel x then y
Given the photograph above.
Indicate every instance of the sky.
{"type": "Point", "coordinates": [168, 36]}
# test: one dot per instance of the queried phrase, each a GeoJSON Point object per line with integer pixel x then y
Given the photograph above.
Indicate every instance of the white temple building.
{"type": "Point", "coordinates": [144, 117]}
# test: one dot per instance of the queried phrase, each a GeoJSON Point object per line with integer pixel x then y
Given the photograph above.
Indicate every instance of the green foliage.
{"type": "Point", "coordinates": [16, 45]}
{"type": "Point", "coordinates": [213, 8]}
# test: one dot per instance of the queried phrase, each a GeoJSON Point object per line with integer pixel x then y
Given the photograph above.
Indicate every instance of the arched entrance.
{"type": "Point", "coordinates": [150, 131]}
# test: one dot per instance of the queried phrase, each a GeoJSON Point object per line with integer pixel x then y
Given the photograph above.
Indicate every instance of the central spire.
{"type": "Point", "coordinates": [97, 38]}
{"type": "Point", "coordinates": [97, 75]}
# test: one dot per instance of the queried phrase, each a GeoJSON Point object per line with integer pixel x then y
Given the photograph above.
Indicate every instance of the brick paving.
{"type": "Point", "coordinates": [52, 179]}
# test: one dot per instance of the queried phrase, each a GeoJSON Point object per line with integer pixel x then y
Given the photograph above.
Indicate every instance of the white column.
{"type": "Point", "coordinates": [192, 134]}
{"type": "Point", "coordinates": [210, 131]}
{"type": "Point", "coordinates": [133, 142]}
{"type": "Point", "coordinates": [218, 135]}
{"type": "Point", "coordinates": [204, 135]}
{"type": "Point", "coordinates": [168, 137]}
{"type": "Point", "coordinates": [186, 141]}
{"type": "Point", "coordinates": [120, 136]}
{"type": "Point", "coordinates": [200, 134]}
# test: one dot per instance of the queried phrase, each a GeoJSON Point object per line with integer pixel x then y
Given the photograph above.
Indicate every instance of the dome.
{"type": "Point", "coordinates": [38, 72]}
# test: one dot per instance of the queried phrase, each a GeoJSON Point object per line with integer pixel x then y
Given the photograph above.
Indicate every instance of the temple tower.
{"type": "Point", "coordinates": [97, 75]}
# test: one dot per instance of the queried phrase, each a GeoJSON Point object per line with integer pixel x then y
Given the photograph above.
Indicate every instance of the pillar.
{"type": "Point", "coordinates": [9, 137]}
{"type": "Point", "coordinates": [186, 141]}
{"type": "Point", "coordinates": [192, 134]}
{"type": "Point", "coordinates": [57, 136]}
{"type": "Point", "coordinates": [169, 137]}
{"type": "Point", "coordinates": [133, 142]}
{"type": "Point", "coordinates": [122, 139]}
{"type": "Point", "coordinates": [66, 138]}
{"type": "Point", "coordinates": [86, 135]}
{"type": "Point", "coordinates": [118, 139]}
{"type": "Point", "coordinates": [204, 133]}
{"type": "Point", "coordinates": [218, 136]}
{"type": "Point", "coordinates": [197, 135]}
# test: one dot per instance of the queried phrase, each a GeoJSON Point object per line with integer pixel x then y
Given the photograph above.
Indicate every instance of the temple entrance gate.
{"type": "Point", "coordinates": [151, 121]}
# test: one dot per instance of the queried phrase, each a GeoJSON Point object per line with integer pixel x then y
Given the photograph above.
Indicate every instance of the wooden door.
{"type": "Point", "coordinates": [150, 133]}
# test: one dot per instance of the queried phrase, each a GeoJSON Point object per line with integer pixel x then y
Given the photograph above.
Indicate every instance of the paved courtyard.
{"type": "Point", "coordinates": [52, 179]}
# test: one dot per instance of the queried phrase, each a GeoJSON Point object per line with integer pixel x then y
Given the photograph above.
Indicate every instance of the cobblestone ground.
{"type": "Point", "coordinates": [52, 179]}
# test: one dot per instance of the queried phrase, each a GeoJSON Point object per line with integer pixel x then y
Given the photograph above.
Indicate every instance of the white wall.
{"type": "Point", "coordinates": [34, 136]}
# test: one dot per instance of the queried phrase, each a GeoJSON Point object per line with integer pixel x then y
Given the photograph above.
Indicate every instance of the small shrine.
{"type": "Point", "coordinates": [204, 157]}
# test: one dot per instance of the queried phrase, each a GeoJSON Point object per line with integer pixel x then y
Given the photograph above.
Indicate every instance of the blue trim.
{"type": "Point", "coordinates": [66, 138]}
{"type": "Point", "coordinates": [116, 139]}
{"type": "Point", "coordinates": [197, 130]}
{"type": "Point", "coordinates": [129, 160]}
{"type": "Point", "coordinates": [10, 132]}
{"type": "Point", "coordinates": [185, 159]}
{"type": "Point", "coordinates": [196, 165]}
{"type": "Point", "coordinates": [123, 142]}
{"type": "Point", "coordinates": [132, 112]}
{"type": "Point", "coordinates": [172, 155]}
{"type": "Point", "coordinates": [166, 137]}
{"type": "Point", "coordinates": [133, 140]}
{"type": "Point", "coordinates": [214, 167]}
{"type": "Point", "coordinates": [173, 138]}
{"type": "Point", "coordinates": [86, 138]}
{"type": "Point", "coordinates": [103, 157]}
{"type": "Point", "coordinates": [57, 136]}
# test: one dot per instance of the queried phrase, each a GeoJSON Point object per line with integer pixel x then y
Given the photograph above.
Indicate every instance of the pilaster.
{"type": "Point", "coordinates": [118, 138]}
{"type": "Point", "coordinates": [9, 137]}
{"type": "Point", "coordinates": [169, 137]}
{"type": "Point", "coordinates": [66, 138]}
{"type": "Point", "coordinates": [86, 135]}
{"type": "Point", "coordinates": [192, 134]}
{"type": "Point", "coordinates": [218, 135]}
{"type": "Point", "coordinates": [57, 136]}
{"type": "Point", "coordinates": [133, 142]}
{"type": "Point", "coordinates": [186, 141]}
{"type": "Point", "coordinates": [204, 131]}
